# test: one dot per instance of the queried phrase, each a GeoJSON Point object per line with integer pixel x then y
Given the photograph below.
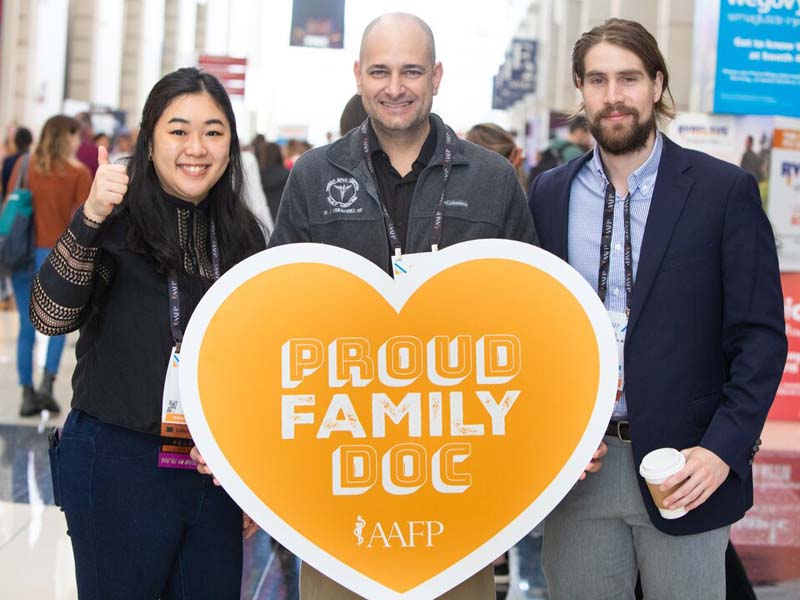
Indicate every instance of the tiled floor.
{"type": "Point", "coordinates": [36, 558]}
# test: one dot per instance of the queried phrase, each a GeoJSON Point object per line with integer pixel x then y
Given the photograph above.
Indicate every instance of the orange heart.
{"type": "Point", "coordinates": [399, 436]}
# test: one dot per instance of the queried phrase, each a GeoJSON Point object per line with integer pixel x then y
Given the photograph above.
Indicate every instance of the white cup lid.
{"type": "Point", "coordinates": [660, 464]}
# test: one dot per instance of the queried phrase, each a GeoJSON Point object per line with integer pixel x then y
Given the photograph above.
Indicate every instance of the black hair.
{"type": "Point", "coordinates": [353, 114]}
{"type": "Point", "coordinates": [273, 155]}
{"type": "Point", "coordinates": [23, 139]}
{"type": "Point", "coordinates": [149, 230]}
{"type": "Point", "coordinates": [578, 122]}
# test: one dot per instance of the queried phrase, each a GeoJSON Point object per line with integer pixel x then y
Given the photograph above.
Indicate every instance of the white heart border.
{"type": "Point", "coordinates": [397, 293]}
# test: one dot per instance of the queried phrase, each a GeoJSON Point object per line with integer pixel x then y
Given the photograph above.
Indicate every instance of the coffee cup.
{"type": "Point", "coordinates": [658, 466]}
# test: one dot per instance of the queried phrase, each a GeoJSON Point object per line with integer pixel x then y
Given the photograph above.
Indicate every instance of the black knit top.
{"type": "Point", "coordinates": [93, 281]}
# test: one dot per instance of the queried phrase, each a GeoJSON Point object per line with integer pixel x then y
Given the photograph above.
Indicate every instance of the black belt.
{"type": "Point", "coordinates": [619, 429]}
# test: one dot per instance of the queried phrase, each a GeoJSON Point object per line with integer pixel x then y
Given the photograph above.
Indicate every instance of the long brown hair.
{"type": "Point", "coordinates": [633, 37]}
{"type": "Point", "coordinates": [54, 145]}
{"type": "Point", "coordinates": [495, 138]}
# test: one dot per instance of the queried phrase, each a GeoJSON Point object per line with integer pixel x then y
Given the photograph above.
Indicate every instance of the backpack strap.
{"type": "Point", "coordinates": [23, 170]}
{"type": "Point", "coordinates": [22, 178]}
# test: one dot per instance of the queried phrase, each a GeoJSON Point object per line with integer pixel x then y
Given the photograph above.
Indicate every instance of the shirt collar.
{"type": "Point", "coordinates": [425, 153]}
{"type": "Point", "coordinates": [644, 177]}
{"type": "Point", "coordinates": [201, 206]}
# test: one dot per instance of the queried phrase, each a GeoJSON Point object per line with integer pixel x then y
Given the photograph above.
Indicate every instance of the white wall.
{"type": "Point", "coordinates": [34, 51]}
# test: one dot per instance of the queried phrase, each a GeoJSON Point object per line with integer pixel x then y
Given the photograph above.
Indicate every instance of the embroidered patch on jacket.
{"type": "Point", "coordinates": [342, 192]}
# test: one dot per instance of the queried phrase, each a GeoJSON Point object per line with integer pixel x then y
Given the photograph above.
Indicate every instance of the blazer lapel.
{"type": "Point", "coordinates": [560, 214]}
{"type": "Point", "coordinates": [671, 190]}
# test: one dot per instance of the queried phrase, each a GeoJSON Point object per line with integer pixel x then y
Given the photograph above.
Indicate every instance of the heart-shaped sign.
{"type": "Point", "coordinates": [399, 435]}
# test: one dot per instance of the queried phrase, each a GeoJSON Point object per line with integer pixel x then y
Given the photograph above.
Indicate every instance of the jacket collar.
{"type": "Point", "coordinates": [347, 151]}
{"type": "Point", "coordinates": [671, 190]}
{"type": "Point", "coordinates": [565, 175]}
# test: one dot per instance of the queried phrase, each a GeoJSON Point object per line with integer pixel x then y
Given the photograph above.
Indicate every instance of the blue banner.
{"type": "Point", "coordinates": [522, 57]}
{"type": "Point", "coordinates": [758, 58]}
{"type": "Point", "coordinates": [516, 77]}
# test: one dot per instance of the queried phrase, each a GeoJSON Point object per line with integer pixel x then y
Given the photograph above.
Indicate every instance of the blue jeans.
{"type": "Point", "coordinates": [138, 531]}
{"type": "Point", "coordinates": [21, 281]}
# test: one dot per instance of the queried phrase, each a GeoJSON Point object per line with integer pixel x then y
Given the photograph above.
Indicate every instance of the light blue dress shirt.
{"type": "Point", "coordinates": [586, 203]}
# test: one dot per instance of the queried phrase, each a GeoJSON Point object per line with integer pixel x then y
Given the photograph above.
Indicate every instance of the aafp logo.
{"type": "Point", "coordinates": [397, 534]}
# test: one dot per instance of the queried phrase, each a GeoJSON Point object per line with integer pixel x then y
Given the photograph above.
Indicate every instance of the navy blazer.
{"type": "Point", "coordinates": [706, 341]}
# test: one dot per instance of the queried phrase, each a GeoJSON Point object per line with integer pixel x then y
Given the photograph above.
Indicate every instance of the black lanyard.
{"type": "Point", "coordinates": [174, 293]}
{"type": "Point", "coordinates": [605, 247]}
{"type": "Point", "coordinates": [438, 215]}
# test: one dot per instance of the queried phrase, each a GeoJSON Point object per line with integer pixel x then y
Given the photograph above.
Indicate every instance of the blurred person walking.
{"type": "Point", "coordinates": [294, 150]}
{"type": "Point", "coordinates": [273, 172]}
{"type": "Point", "coordinates": [353, 114]}
{"type": "Point", "coordinates": [521, 566]}
{"type": "Point", "coordinates": [21, 144]}
{"type": "Point", "coordinates": [87, 151]}
{"type": "Point", "coordinates": [578, 141]}
{"type": "Point", "coordinates": [149, 241]}
{"type": "Point", "coordinates": [123, 145]}
{"type": "Point", "coordinates": [495, 138]}
{"type": "Point", "coordinates": [101, 139]}
{"type": "Point", "coordinates": [59, 184]}
{"type": "Point", "coordinates": [253, 193]}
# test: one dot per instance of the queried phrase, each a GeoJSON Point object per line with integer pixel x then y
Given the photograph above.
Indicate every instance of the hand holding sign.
{"type": "Point", "coordinates": [437, 419]}
{"type": "Point", "coordinates": [108, 188]}
{"type": "Point", "coordinates": [202, 467]}
{"type": "Point", "coordinates": [595, 464]}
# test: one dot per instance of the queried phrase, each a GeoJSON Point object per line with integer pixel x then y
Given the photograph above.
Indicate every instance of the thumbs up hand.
{"type": "Point", "coordinates": [108, 188]}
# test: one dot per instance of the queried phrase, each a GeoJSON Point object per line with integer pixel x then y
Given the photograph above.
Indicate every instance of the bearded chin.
{"type": "Point", "coordinates": [624, 141]}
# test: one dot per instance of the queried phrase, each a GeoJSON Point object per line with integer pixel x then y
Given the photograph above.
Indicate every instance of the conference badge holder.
{"type": "Point", "coordinates": [176, 441]}
{"type": "Point", "coordinates": [403, 264]}
{"type": "Point", "coordinates": [619, 321]}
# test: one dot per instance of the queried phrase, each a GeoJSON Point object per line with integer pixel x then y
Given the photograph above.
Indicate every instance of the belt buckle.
{"type": "Point", "coordinates": [619, 431]}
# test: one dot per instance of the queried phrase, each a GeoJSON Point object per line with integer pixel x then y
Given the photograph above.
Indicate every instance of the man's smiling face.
{"type": "Point", "coordinates": [397, 77]}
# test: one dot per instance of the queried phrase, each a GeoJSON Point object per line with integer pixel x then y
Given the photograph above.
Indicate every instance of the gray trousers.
{"type": "Point", "coordinates": [600, 535]}
{"type": "Point", "coordinates": [315, 586]}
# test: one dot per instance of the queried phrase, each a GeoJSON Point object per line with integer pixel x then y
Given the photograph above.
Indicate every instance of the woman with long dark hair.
{"type": "Point", "coordinates": [135, 261]}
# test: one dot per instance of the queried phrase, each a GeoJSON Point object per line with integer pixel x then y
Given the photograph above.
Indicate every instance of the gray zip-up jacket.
{"type": "Point", "coordinates": [331, 198]}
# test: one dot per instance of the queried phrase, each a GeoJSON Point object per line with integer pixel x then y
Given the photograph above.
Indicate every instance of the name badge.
{"type": "Point", "coordinates": [403, 264]}
{"type": "Point", "coordinates": [619, 321]}
{"type": "Point", "coordinates": [176, 439]}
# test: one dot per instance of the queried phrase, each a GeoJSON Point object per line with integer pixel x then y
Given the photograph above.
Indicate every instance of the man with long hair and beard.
{"type": "Point", "coordinates": [679, 250]}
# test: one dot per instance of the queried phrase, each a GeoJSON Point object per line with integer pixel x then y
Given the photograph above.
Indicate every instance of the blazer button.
{"type": "Point", "coordinates": [750, 462]}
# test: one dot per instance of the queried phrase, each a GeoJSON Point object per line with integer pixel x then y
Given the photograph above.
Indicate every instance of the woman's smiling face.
{"type": "Point", "coordinates": [191, 146]}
